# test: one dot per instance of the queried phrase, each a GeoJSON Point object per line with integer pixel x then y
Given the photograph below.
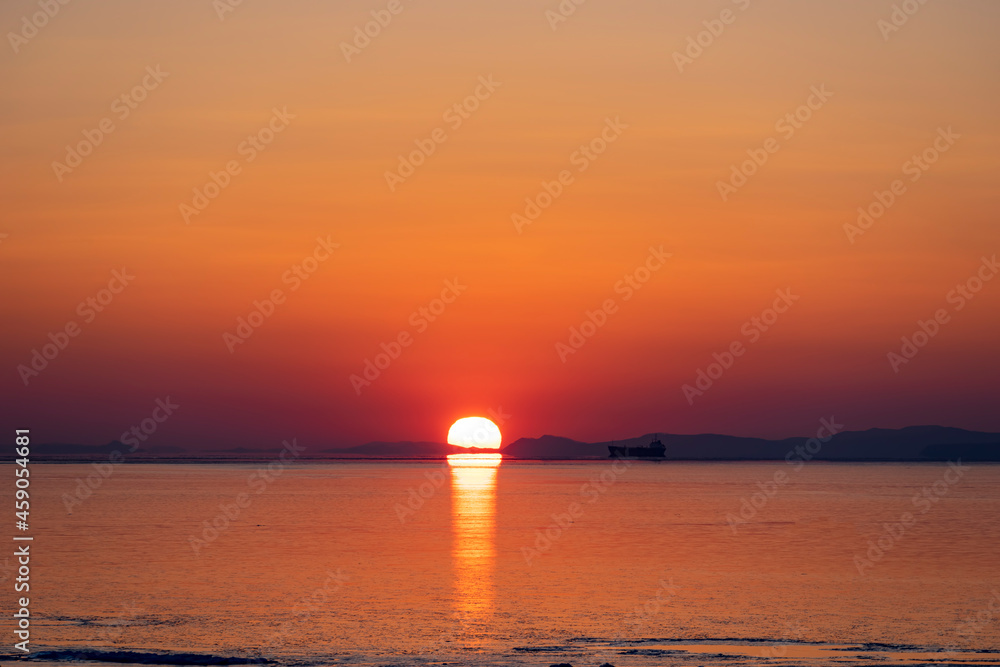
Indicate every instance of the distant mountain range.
{"type": "Point", "coordinates": [914, 443]}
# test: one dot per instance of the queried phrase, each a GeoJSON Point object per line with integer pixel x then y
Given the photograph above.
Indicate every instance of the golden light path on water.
{"type": "Point", "coordinates": [473, 490]}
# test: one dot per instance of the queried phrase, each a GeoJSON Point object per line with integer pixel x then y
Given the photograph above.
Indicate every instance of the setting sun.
{"type": "Point", "coordinates": [474, 432]}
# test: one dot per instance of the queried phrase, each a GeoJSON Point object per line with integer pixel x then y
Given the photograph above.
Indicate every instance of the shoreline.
{"type": "Point", "coordinates": [510, 459]}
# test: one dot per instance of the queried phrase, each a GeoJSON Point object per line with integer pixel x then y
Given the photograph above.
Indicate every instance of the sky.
{"type": "Point", "coordinates": [592, 204]}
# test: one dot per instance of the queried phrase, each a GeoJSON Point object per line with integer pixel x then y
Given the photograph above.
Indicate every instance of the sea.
{"type": "Point", "coordinates": [620, 562]}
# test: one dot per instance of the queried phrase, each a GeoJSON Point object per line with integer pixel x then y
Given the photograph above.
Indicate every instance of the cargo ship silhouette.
{"type": "Point", "coordinates": [654, 450]}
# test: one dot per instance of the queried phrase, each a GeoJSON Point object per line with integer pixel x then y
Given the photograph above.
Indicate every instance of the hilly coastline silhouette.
{"type": "Point", "coordinates": [913, 443]}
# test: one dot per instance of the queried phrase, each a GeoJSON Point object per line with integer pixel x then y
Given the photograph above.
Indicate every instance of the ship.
{"type": "Point", "coordinates": [654, 450]}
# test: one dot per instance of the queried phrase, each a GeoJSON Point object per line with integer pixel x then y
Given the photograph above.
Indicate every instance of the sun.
{"type": "Point", "coordinates": [474, 432]}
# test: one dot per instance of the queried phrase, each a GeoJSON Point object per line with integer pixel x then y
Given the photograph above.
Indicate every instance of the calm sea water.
{"type": "Point", "coordinates": [529, 563]}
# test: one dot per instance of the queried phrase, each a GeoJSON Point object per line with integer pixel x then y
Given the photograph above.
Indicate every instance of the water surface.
{"type": "Point", "coordinates": [529, 563]}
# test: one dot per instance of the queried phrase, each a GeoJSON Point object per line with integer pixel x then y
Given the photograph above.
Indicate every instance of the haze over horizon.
{"type": "Point", "coordinates": [475, 289]}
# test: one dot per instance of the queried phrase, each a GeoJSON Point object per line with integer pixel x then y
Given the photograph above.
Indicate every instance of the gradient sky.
{"type": "Point", "coordinates": [495, 346]}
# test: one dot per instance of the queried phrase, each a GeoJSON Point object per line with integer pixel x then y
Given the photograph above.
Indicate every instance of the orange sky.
{"type": "Point", "coordinates": [610, 67]}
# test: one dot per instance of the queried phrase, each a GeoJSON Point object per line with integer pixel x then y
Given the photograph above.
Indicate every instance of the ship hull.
{"type": "Point", "coordinates": [636, 452]}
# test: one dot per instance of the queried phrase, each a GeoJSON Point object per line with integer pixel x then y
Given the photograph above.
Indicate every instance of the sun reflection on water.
{"type": "Point", "coordinates": [473, 489]}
